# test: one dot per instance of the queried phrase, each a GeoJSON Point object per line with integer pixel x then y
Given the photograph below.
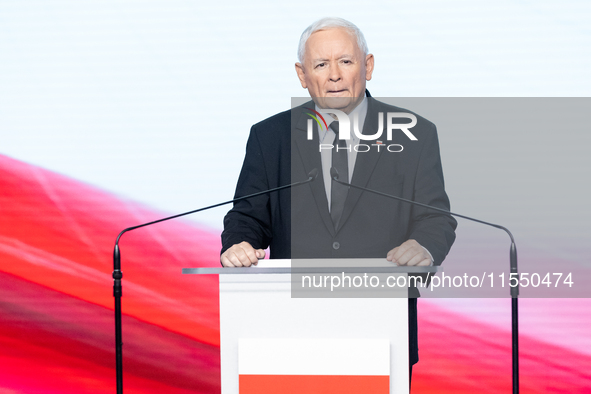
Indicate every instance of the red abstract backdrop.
{"type": "Point", "coordinates": [56, 305]}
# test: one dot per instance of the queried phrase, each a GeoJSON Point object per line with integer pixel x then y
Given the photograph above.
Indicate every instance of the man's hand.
{"type": "Point", "coordinates": [241, 255]}
{"type": "Point", "coordinates": [409, 253]}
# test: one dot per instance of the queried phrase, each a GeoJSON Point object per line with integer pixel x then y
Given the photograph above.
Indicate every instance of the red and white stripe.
{"type": "Point", "coordinates": [314, 366]}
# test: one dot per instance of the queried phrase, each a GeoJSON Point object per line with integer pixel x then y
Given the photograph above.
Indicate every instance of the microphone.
{"type": "Point", "coordinates": [334, 174]}
{"type": "Point", "coordinates": [117, 275]}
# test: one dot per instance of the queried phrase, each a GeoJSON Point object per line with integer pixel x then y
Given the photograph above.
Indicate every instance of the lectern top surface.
{"type": "Point", "coordinates": [318, 266]}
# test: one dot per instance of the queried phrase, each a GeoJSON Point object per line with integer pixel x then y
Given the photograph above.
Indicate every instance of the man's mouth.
{"type": "Point", "coordinates": [337, 92]}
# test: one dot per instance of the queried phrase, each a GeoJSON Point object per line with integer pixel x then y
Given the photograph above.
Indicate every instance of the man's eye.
{"type": "Point", "coordinates": [320, 65]}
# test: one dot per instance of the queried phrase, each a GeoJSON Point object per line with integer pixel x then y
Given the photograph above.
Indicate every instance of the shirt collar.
{"type": "Point", "coordinates": [360, 109]}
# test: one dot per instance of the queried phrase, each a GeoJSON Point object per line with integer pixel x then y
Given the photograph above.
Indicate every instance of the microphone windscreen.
{"type": "Point", "coordinates": [312, 175]}
{"type": "Point", "coordinates": [334, 174]}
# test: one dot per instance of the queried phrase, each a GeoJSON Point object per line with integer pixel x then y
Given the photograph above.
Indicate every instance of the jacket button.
{"type": "Point", "coordinates": [336, 245]}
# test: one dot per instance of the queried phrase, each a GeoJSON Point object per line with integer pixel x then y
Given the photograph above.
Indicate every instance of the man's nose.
{"type": "Point", "coordinates": [335, 74]}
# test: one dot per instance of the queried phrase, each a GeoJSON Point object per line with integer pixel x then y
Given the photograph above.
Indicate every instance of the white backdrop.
{"type": "Point", "coordinates": [153, 100]}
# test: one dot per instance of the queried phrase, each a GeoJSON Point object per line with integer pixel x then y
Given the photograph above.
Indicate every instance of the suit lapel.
{"type": "Point", "coordinates": [308, 153]}
{"type": "Point", "coordinates": [364, 163]}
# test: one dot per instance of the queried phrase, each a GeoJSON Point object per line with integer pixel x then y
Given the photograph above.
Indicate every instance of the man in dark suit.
{"type": "Point", "coordinates": [318, 220]}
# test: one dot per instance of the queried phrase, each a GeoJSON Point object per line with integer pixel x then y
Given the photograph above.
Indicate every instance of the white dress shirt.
{"type": "Point", "coordinates": [328, 136]}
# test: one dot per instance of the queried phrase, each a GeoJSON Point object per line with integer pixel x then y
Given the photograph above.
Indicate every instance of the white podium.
{"type": "Point", "coordinates": [273, 343]}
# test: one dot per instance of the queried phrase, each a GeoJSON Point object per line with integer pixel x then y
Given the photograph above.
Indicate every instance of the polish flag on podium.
{"type": "Point", "coordinates": [314, 366]}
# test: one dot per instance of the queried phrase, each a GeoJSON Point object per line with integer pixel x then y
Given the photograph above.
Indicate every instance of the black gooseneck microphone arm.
{"type": "Point", "coordinates": [334, 174]}
{"type": "Point", "coordinates": [117, 275]}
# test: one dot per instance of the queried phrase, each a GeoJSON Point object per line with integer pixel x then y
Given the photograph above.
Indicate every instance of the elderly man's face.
{"type": "Point", "coordinates": [335, 69]}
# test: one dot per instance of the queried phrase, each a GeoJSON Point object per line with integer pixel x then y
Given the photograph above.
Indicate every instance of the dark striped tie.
{"type": "Point", "coordinates": [340, 162]}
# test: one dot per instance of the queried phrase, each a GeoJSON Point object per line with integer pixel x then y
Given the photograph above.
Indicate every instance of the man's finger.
{"type": "Point", "coordinates": [402, 249]}
{"type": "Point", "coordinates": [233, 260]}
{"type": "Point", "coordinates": [226, 258]}
{"type": "Point", "coordinates": [390, 255]}
{"type": "Point", "coordinates": [248, 256]}
{"type": "Point", "coordinates": [260, 254]}
{"type": "Point", "coordinates": [414, 256]}
{"type": "Point", "coordinates": [241, 255]}
{"type": "Point", "coordinates": [230, 259]}
{"type": "Point", "coordinates": [245, 257]}
{"type": "Point", "coordinates": [225, 261]}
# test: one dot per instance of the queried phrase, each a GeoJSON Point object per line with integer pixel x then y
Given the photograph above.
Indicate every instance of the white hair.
{"type": "Point", "coordinates": [331, 23]}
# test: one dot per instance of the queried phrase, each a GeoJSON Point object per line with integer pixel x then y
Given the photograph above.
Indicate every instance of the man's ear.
{"type": "Point", "coordinates": [301, 74]}
{"type": "Point", "coordinates": [368, 67]}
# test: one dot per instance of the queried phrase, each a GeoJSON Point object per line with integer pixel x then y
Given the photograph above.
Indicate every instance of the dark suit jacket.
{"type": "Point", "coordinates": [296, 223]}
